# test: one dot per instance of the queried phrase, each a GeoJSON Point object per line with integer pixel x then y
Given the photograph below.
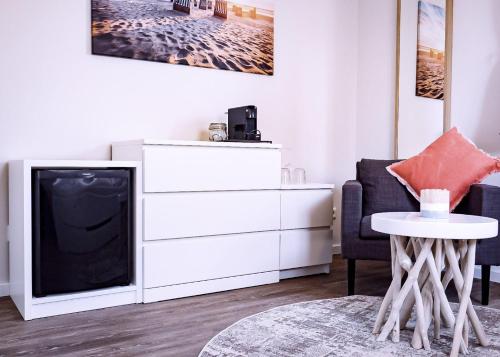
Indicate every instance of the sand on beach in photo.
{"type": "Point", "coordinates": [151, 30]}
{"type": "Point", "coordinates": [430, 73]}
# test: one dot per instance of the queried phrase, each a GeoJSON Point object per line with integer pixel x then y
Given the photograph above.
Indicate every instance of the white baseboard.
{"type": "Point", "coordinates": [4, 289]}
{"type": "Point", "coordinates": [336, 249]}
{"type": "Point", "coordinates": [495, 273]}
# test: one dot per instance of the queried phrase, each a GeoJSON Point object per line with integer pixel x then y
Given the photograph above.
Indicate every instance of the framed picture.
{"type": "Point", "coordinates": [228, 35]}
{"type": "Point", "coordinates": [431, 49]}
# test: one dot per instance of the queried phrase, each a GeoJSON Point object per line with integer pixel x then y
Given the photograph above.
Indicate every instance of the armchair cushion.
{"type": "Point", "coordinates": [381, 191]}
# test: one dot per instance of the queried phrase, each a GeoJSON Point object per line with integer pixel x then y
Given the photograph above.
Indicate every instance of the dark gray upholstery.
{"type": "Point", "coordinates": [353, 247]}
{"type": "Point", "coordinates": [375, 190]}
{"type": "Point", "coordinates": [484, 200]}
{"type": "Point", "coordinates": [382, 192]}
{"type": "Point", "coordinates": [366, 231]}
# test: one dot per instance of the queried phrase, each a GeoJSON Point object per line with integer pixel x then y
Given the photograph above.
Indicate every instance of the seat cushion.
{"type": "Point", "coordinates": [381, 191]}
{"type": "Point", "coordinates": [366, 231]}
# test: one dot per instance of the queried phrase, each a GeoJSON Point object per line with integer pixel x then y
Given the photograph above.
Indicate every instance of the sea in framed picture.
{"type": "Point", "coordinates": [228, 35]}
{"type": "Point", "coordinates": [431, 49]}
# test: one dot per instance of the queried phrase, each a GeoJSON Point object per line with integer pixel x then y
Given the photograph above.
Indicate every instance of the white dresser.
{"type": "Point", "coordinates": [215, 218]}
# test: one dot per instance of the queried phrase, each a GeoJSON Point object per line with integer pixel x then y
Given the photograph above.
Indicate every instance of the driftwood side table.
{"type": "Point", "coordinates": [424, 248]}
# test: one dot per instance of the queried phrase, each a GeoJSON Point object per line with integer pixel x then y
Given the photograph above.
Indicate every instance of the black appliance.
{"type": "Point", "coordinates": [82, 229]}
{"type": "Point", "coordinates": [242, 124]}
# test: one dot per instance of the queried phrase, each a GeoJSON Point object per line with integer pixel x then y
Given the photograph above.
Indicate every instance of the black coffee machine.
{"type": "Point", "coordinates": [242, 124]}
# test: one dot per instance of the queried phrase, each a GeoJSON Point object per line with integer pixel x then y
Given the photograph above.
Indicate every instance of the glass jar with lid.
{"type": "Point", "coordinates": [217, 132]}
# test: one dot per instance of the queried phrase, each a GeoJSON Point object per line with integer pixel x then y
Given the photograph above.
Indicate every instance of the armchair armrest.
{"type": "Point", "coordinates": [484, 200]}
{"type": "Point", "coordinates": [351, 214]}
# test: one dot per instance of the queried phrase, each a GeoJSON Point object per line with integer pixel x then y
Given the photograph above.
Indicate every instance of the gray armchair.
{"type": "Point", "coordinates": [484, 200]}
{"type": "Point", "coordinates": [375, 190]}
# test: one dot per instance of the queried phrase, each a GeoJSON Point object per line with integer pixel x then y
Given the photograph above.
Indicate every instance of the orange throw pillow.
{"type": "Point", "coordinates": [451, 162]}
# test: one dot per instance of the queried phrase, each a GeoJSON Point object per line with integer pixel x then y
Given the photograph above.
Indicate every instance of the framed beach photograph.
{"type": "Point", "coordinates": [431, 49]}
{"type": "Point", "coordinates": [228, 35]}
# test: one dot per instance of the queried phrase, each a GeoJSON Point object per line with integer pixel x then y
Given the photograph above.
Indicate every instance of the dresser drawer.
{"type": "Point", "coordinates": [194, 168]}
{"type": "Point", "coordinates": [179, 261]}
{"type": "Point", "coordinates": [193, 214]}
{"type": "Point", "coordinates": [305, 247]}
{"type": "Point", "coordinates": [306, 208]}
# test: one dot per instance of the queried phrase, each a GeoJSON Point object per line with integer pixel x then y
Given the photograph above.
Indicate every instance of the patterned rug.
{"type": "Point", "coordinates": [334, 327]}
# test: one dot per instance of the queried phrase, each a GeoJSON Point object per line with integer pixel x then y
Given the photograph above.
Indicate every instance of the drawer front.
{"type": "Point", "coordinates": [191, 168]}
{"type": "Point", "coordinates": [194, 214]}
{"type": "Point", "coordinates": [306, 208]}
{"type": "Point", "coordinates": [305, 247]}
{"type": "Point", "coordinates": [179, 261]}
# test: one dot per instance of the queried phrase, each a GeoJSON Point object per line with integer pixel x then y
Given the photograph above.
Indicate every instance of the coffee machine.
{"type": "Point", "coordinates": [242, 124]}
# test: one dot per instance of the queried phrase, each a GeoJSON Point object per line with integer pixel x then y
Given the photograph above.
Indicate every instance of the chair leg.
{"type": "Point", "coordinates": [351, 275]}
{"type": "Point", "coordinates": [485, 284]}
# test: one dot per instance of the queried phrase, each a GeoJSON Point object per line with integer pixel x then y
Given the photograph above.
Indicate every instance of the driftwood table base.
{"type": "Point", "coordinates": [424, 290]}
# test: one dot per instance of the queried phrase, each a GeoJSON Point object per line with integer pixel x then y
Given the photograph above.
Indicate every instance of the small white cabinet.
{"type": "Point", "coordinates": [306, 237]}
{"type": "Point", "coordinates": [216, 218]}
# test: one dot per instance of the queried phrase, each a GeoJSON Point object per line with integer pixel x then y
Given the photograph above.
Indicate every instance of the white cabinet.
{"type": "Point", "coordinates": [211, 215]}
{"type": "Point", "coordinates": [216, 218]}
{"type": "Point", "coordinates": [208, 217]}
{"type": "Point", "coordinates": [306, 237]}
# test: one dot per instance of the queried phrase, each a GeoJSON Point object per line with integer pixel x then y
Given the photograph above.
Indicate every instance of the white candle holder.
{"type": "Point", "coordinates": [435, 203]}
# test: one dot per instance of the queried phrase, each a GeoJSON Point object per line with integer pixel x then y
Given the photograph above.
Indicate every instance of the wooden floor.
{"type": "Point", "coordinates": [179, 327]}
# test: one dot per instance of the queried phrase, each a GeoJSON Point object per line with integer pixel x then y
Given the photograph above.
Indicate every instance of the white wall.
{"type": "Point", "coordinates": [376, 79]}
{"type": "Point", "coordinates": [57, 101]}
{"type": "Point", "coordinates": [420, 119]}
{"type": "Point", "coordinates": [476, 74]}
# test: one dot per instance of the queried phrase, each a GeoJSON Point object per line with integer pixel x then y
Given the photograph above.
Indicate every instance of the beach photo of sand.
{"type": "Point", "coordinates": [228, 35]}
{"type": "Point", "coordinates": [431, 50]}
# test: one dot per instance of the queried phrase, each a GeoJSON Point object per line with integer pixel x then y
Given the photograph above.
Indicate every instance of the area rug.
{"type": "Point", "coordinates": [334, 327]}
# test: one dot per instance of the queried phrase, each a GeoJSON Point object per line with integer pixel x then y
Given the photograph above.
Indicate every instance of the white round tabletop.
{"type": "Point", "coordinates": [457, 226]}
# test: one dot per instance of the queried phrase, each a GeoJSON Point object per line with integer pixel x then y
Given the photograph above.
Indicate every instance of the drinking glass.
{"type": "Point", "coordinates": [285, 176]}
{"type": "Point", "coordinates": [299, 176]}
